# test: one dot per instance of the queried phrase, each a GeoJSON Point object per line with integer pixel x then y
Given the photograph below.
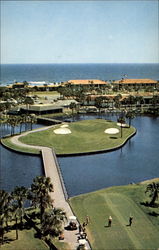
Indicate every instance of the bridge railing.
{"type": "Point", "coordinates": [60, 176]}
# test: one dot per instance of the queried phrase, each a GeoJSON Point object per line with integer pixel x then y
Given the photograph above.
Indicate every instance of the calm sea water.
{"type": "Point", "coordinates": [64, 72]}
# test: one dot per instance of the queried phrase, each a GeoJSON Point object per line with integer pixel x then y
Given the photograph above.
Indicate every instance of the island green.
{"type": "Point", "coordinates": [86, 136]}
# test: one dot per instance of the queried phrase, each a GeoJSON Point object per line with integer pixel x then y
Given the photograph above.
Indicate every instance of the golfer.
{"type": "Point", "coordinates": [109, 221]}
{"type": "Point", "coordinates": [130, 220]}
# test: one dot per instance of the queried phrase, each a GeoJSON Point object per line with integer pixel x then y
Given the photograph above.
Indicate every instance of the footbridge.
{"type": "Point", "coordinates": [59, 196]}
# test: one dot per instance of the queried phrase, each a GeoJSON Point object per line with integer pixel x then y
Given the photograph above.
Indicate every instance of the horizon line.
{"type": "Point", "coordinates": [83, 63]}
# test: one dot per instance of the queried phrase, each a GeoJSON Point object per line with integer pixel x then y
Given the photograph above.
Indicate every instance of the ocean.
{"type": "Point", "coordinates": [63, 72]}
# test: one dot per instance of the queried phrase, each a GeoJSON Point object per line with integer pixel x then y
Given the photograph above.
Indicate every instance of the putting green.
{"type": "Point", "coordinates": [86, 136]}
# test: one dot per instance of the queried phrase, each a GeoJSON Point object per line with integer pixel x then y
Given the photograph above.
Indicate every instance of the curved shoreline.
{"type": "Point", "coordinates": [16, 150]}
{"type": "Point", "coordinates": [21, 145]}
{"type": "Point", "coordinates": [99, 151]}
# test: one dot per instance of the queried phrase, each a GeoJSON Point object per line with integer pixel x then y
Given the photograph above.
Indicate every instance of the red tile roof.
{"type": "Point", "coordinates": [138, 81]}
{"type": "Point", "coordinates": [86, 81]}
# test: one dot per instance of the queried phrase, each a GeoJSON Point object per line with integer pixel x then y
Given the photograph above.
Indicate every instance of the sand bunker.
{"type": "Point", "coordinates": [64, 126]}
{"type": "Point", "coordinates": [123, 124]}
{"type": "Point", "coordinates": [62, 131]}
{"type": "Point", "coordinates": [111, 131]}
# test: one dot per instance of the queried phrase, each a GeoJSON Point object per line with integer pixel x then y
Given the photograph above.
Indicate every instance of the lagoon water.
{"type": "Point", "coordinates": [137, 161]}
{"type": "Point", "coordinates": [17, 169]}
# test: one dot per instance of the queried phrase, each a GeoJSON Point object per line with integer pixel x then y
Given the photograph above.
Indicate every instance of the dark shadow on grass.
{"type": "Point", "coordinates": [27, 225]}
{"type": "Point", "coordinates": [147, 204]}
{"type": "Point", "coordinates": [153, 214]}
{"type": "Point", "coordinates": [6, 240]}
{"type": "Point", "coordinates": [113, 137]}
{"type": "Point", "coordinates": [37, 235]}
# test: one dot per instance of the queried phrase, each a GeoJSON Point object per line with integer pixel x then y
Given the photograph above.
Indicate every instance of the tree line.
{"type": "Point", "coordinates": [14, 210]}
{"type": "Point", "coordinates": [13, 121]}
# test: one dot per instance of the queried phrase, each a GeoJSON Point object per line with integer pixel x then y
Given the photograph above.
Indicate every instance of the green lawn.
{"type": "Point", "coordinates": [7, 142]}
{"type": "Point", "coordinates": [61, 245]}
{"type": "Point", "coordinates": [119, 202]}
{"type": "Point", "coordinates": [26, 241]}
{"type": "Point", "coordinates": [86, 136]}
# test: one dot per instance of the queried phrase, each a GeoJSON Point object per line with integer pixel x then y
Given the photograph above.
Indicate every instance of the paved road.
{"type": "Point", "coordinates": [58, 194]}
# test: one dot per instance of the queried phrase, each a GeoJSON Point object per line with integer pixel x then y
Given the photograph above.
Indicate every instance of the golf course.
{"type": "Point", "coordinates": [81, 137]}
{"type": "Point", "coordinates": [120, 203]}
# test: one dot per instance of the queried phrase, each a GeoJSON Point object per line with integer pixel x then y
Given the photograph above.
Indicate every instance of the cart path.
{"type": "Point", "coordinates": [58, 196]}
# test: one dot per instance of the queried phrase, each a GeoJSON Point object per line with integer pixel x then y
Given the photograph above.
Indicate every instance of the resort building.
{"type": "Point", "coordinates": [36, 86]}
{"type": "Point", "coordinates": [41, 109]}
{"type": "Point", "coordinates": [135, 83]}
{"type": "Point", "coordinates": [86, 82]}
{"type": "Point", "coordinates": [17, 85]}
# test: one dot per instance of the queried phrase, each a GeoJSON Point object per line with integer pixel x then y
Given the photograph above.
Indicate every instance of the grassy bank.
{"type": "Point", "coordinates": [26, 241]}
{"type": "Point", "coordinates": [86, 136]}
{"type": "Point", "coordinates": [7, 143]}
{"type": "Point", "coordinates": [119, 202]}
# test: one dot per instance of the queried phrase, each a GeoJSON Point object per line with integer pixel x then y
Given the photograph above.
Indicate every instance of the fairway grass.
{"type": "Point", "coordinates": [120, 203]}
{"type": "Point", "coordinates": [86, 136]}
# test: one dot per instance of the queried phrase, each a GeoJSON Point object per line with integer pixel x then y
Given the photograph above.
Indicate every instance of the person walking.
{"type": "Point", "coordinates": [130, 220]}
{"type": "Point", "coordinates": [80, 228]}
{"type": "Point", "coordinates": [109, 221]}
{"type": "Point", "coordinates": [87, 220]}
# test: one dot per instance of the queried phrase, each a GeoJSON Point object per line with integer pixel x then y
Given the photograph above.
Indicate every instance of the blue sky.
{"type": "Point", "coordinates": [79, 31]}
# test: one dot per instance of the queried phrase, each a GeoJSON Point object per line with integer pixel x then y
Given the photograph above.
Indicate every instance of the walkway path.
{"type": "Point", "coordinates": [58, 194]}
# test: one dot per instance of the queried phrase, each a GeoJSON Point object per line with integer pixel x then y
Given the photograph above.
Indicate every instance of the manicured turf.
{"type": "Point", "coordinates": [119, 202]}
{"type": "Point", "coordinates": [86, 136]}
{"type": "Point", "coordinates": [7, 142]}
{"type": "Point", "coordinates": [26, 241]}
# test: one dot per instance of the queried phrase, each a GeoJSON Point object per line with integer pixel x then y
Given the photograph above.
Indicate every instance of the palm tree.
{"type": "Point", "coordinates": [15, 212]}
{"type": "Point", "coordinates": [40, 188]}
{"type": "Point", "coordinates": [20, 122]}
{"type": "Point", "coordinates": [121, 120]}
{"type": "Point", "coordinates": [139, 100]}
{"type": "Point", "coordinates": [117, 100]}
{"type": "Point", "coordinates": [153, 189]}
{"type": "Point", "coordinates": [28, 101]}
{"type": "Point", "coordinates": [19, 195]}
{"type": "Point", "coordinates": [130, 115]}
{"type": "Point", "coordinates": [72, 107]}
{"type": "Point", "coordinates": [155, 100]}
{"type": "Point", "coordinates": [99, 102]}
{"type": "Point", "coordinates": [31, 120]}
{"type": "Point", "coordinates": [12, 121]}
{"type": "Point", "coordinates": [52, 222]}
{"type": "Point", "coordinates": [130, 100]}
{"type": "Point", "coordinates": [5, 211]}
